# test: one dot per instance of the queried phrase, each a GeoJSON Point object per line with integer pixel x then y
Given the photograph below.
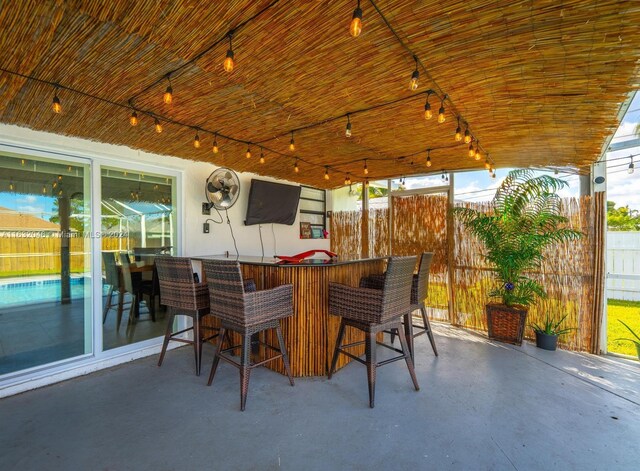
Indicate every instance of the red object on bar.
{"type": "Point", "coordinates": [304, 255]}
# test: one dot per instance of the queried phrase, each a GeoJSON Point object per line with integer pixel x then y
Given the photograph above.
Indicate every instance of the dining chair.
{"type": "Point", "coordinates": [247, 313]}
{"type": "Point", "coordinates": [372, 311]}
{"type": "Point", "coordinates": [137, 289]}
{"type": "Point", "coordinates": [112, 279]}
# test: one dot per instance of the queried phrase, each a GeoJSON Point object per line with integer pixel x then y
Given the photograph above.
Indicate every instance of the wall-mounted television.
{"type": "Point", "coordinates": [271, 202]}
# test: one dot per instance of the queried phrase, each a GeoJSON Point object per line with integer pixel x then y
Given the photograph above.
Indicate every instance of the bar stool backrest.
{"type": "Point", "coordinates": [420, 287]}
{"type": "Point", "coordinates": [397, 288]}
{"type": "Point", "coordinates": [177, 287]}
{"type": "Point", "coordinates": [226, 289]}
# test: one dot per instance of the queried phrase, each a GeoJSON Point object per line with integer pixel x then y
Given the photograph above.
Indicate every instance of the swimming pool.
{"type": "Point", "coordinates": [37, 291]}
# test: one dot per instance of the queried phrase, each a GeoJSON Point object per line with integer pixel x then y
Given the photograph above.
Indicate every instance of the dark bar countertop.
{"type": "Point", "coordinates": [270, 261]}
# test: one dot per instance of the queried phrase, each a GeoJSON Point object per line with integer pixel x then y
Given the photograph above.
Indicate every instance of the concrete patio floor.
{"type": "Point", "coordinates": [482, 406]}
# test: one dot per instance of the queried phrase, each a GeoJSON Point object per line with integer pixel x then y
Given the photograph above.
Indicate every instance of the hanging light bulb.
{"type": "Point", "coordinates": [458, 135]}
{"type": "Point", "coordinates": [261, 155]}
{"type": "Point", "coordinates": [133, 119]}
{"type": "Point", "coordinates": [365, 170]}
{"type": "Point", "coordinates": [428, 114]}
{"type": "Point", "coordinates": [477, 154]}
{"type": "Point", "coordinates": [157, 125]}
{"type": "Point", "coordinates": [326, 173]}
{"type": "Point", "coordinates": [346, 179]}
{"type": "Point", "coordinates": [292, 145]}
{"type": "Point", "coordinates": [196, 141]}
{"type": "Point", "coordinates": [631, 166]}
{"type": "Point", "coordinates": [55, 105]}
{"type": "Point", "coordinates": [443, 177]}
{"type": "Point", "coordinates": [22, 162]}
{"type": "Point", "coordinates": [441, 117]}
{"type": "Point", "coordinates": [355, 28]}
{"type": "Point", "coordinates": [472, 152]}
{"type": "Point", "coordinates": [228, 61]}
{"type": "Point", "coordinates": [415, 76]}
{"type": "Point", "coordinates": [295, 167]}
{"type": "Point", "coordinates": [347, 131]}
{"type": "Point", "coordinates": [168, 93]}
{"type": "Point", "coordinates": [215, 144]}
{"type": "Point", "coordinates": [487, 165]}
{"type": "Point", "coordinates": [493, 173]}
{"type": "Point", "coordinates": [11, 185]}
{"type": "Point", "coordinates": [428, 157]}
{"type": "Point", "coordinates": [248, 153]}
{"type": "Point", "coordinates": [467, 136]}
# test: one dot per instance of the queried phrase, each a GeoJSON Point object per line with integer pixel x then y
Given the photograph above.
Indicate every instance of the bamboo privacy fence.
{"type": "Point", "coordinates": [419, 224]}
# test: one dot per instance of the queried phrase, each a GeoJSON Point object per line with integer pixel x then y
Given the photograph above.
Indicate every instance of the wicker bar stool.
{"type": "Point", "coordinates": [372, 311]}
{"type": "Point", "coordinates": [419, 291]}
{"type": "Point", "coordinates": [183, 296]}
{"type": "Point", "coordinates": [246, 313]}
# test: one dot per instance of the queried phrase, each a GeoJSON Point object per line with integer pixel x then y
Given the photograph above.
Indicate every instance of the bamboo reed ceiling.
{"type": "Point", "coordinates": [540, 83]}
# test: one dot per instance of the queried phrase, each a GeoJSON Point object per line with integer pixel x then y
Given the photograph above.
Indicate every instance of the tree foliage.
{"type": "Point", "coordinates": [523, 221]}
{"type": "Point", "coordinates": [623, 218]}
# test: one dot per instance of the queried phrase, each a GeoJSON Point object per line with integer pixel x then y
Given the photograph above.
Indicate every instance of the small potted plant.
{"type": "Point", "coordinates": [547, 334]}
{"type": "Point", "coordinates": [524, 220]}
{"type": "Point", "coordinates": [636, 340]}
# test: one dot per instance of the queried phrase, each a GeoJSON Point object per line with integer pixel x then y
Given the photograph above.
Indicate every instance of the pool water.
{"type": "Point", "coordinates": [37, 291]}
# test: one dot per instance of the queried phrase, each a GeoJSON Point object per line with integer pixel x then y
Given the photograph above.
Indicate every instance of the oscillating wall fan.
{"type": "Point", "coordinates": [222, 188]}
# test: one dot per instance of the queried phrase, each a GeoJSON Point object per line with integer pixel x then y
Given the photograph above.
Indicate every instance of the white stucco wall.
{"type": "Point", "coordinates": [194, 241]}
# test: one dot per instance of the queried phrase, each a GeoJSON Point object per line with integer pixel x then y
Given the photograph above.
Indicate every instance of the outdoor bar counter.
{"type": "Point", "coordinates": [310, 334]}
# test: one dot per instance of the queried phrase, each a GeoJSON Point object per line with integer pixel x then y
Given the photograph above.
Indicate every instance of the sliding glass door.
{"type": "Point", "coordinates": [138, 220]}
{"type": "Point", "coordinates": [45, 288]}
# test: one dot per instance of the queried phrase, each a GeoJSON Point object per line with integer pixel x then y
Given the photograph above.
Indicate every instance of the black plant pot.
{"type": "Point", "coordinates": [546, 341]}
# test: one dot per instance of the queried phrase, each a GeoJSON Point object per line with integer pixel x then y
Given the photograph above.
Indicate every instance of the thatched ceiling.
{"type": "Point", "coordinates": [540, 83]}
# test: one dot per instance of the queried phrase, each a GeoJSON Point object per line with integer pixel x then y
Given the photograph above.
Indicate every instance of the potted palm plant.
{"type": "Point", "coordinates": [523, 221]}
{"type": "Point", "coordinates": [547, 334]}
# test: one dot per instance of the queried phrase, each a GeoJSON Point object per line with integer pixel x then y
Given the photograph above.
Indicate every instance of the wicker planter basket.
{"type": "Point", "coordinates": [506, 323]}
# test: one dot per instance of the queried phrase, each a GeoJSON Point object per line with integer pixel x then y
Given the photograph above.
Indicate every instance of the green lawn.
{"type": "Point", "coordinates": [629, 312]}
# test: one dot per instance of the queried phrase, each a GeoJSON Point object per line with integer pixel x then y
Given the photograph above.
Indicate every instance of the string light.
{"type": "Point", "coordinates": [11, 185]}
{"type": "Point", "coordinates": [56, 106]}
{"type": "Point", "coordinates": [215, 144]}
{"type": "Point", "coordinates": [22, 162]}
{"type": "Point", "coordinates": [365, 170]}
{"type": "Point", "coordinates": [133, 119]}
{"type": "Point", "coordinates": [292, 145]}
{"type": "Point", "coordinates": [631, 166]}
{"type": "Point", "coordinates": [355, 28]}
{"type": "Point", "coordinates": [493, 173]}
{"type": "Point", "coordinates": [248, 153]}
{"type": "Point", "coordinates": [347, 179]}
{"type": "Point", "coordinates": [472, 152]}
{"type": "Point", "coordinates": [157, 126]}
{"type": "Point", "coordinates": [467, 136]}
{"type": "Point", "coordinates": [168, 93]}
{"type": "Point", "coordinates": [295, 167]}
{"type": "Point", "coordinates": [478, 155]}
{"type": "Point", "coordinates": [441, 117]}
{"type": "Point", "coordinates": [458, 135]}
{"type": "Point", "coordinates": [228, 61]}
{"type": "Point", "coordinates": [261, 155]}
{"type": "Point", "coordinates": [326, 173]}
{"type": "Point", "coordinates": [487, 165]}
{"type": "Point", "coordinates": [428, 114]}
{"type": "Point", "coordinates": [444, 177]}
{"type": "Point", "coordinates": [196, 141]}
{"type": "Point", "coordinates": [428, 157]}
{"type": "Point", "coordinates": [415, 76]}
{"type": "Point", "coordinates": [347, 131]}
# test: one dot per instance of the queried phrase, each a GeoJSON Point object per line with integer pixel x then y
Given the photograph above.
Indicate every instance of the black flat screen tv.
{"type": "Point", "coordinates": [271, 202]}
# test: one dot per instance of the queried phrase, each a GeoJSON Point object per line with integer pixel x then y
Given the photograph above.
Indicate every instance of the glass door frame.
{"type": "Point", "coordinates": [97, 358]}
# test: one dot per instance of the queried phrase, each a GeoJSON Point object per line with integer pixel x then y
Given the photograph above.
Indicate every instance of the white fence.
{"type": "Point", "coordinates": [623, 265]}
